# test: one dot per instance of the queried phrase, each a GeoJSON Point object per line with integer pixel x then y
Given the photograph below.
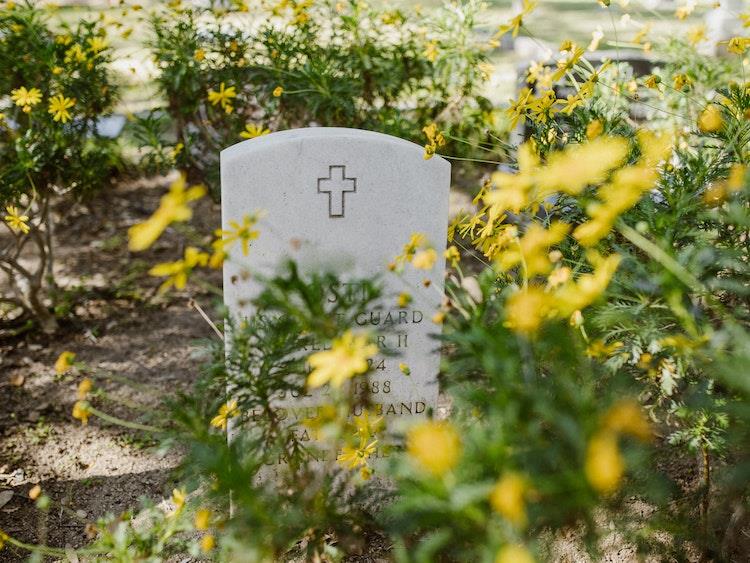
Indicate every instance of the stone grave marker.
{"type": "Point", "coordinates": [346, 200]}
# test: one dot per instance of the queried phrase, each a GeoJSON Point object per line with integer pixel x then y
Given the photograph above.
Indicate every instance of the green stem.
{"type": "Point", "coordinates": [655, 252]}
{"type": "Point", "coordinates": [120, 422]}
{"type": "Point", "coordinates": [55, 551]}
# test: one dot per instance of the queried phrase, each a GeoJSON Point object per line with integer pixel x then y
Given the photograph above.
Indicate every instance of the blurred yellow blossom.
{"type": "Point", "coordinates": [434, 445]}
{"type": "Point", "coordinates": [347, 357]}
{"type": "Point", "coordinates": [577, 166]}
{"type": "Point", "coordinates": [604, 465]}
{"type": "Point", "coordinates": [208, 542]}
{"type": "Point", "coordinates": [514, 553]}
{"type": "Point", "coordinates": [172, 207]}
{"type": "Point", "coordinates": [424, 259]}
{"type": "Point", "coordinates": [84, 388]}
{"type": "Point", "coordinates": [277, 91]}
{"type": "Point", "coordinates": [626, 417]}
{"type": "Point", "coordinates": [516, 22]}
{"type": "Point", "coordinates": [202, 518]}
{"type": "Point", "coordinates": [508, 498]}
{"type": "Point", "coordinates": [710, 120]}
{"type": "Point", "coordinates": [64, 362]}
{"type": "Point", "coordinates": [526, 310]}
{"type": "Point", "coordinates": [177, 272]}
{"type": "Point", "coordinates": [226, 411]}
{"type": "Point", "coordinates": [81, 412]}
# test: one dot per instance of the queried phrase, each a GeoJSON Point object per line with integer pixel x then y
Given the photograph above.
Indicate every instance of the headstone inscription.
{"type": "Point", "coordinates": [346, 201]}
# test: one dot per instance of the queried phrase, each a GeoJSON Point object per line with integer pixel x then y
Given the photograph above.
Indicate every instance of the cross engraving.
{"type": "Point", "coordinates": [337, 185]}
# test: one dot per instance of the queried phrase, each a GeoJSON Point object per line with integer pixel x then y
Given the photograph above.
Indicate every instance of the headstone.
{"type": "Point", "coordinates": [346, 201]}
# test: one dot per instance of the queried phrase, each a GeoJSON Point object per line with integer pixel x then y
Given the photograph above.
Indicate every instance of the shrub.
{"type": "Point", "coordinates": [225, 77]}
{"type": "Point", "coordinates": [54, 85]}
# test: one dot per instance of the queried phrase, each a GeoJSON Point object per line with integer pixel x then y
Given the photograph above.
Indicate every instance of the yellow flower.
{"type": "Point", "coordinates": [226, 411]}
{"type": "Point", "coordinates": [64, 362]}
{"type": "Point", "coordinates": [507, 498]}
{"type": "Point", "coordinates": [75, 54]}
{"type": "Point", "coordinates": [84, 387]}
{"type": "Point", "coordinates": [172, 207]}
{"type": "Point", "coordinates": [438, 318]}
{"type": "Point", "coordinates": [710, 120]}
{"type": "Point", "coordinates": [578, 166]}
{"type": "Point", "coordinates": [434, 445]}
{"type": "Point", "coordinates": [696, 34]}
{"type": "Point", "coordinates": [604, 464]}
{"type": "Point", "coordinates": [34, 492]}
{"type": "Point", "coordinates": [347, 357]}
{"type": "Point", "coordinates": [177, 272]}
{"type": "Point", "coordinates": [738, 45]}
{"type": "Point", "coordinates": [684, 11]}
{"type": "Point", "coordinates": [367, 427]}
{"type": "Point", "coordinates": [16, 221]}
{"type": "Point", "coordinates": [532, 251]}
{"type": "Point", "coordinates": [81, 412]}
{"type": "Point", "coordinates": [243, 233]}
{"type": "Point", "coordinates": [424, 259]}
{"type": "Point", "coordinates": [3, 538]}
{"type": "Point", "coordinates": [598, 349]}
{"type": "Point", "coordinates": [97, 44]}
{"type": "Point", "coordinates": [435, 140]}
{"type": "Point", "coordinates": [652, 81]}
{"type": "Point", "coordinates": [515, 553]}
{"type": "Point", "coordinates": [403, 300]}
{"type": "Point", "coordinates": [681, 80]}
{"type": "Point", "coordinates": [514, 25]}
{"type": "Point", "coordinates": [58, 107]}
{"type": "Point", "coordinates": [404, 368]}
{"type": "Point", "coordinates": [208, 542]}
{"type": "Point", "coordinates": [353, 457]}
{"type": "Point", "coordinates": [199, 55]}
{"type": "Point", "coordinates": [178, 499]}
{"type": "Point", "coordinates": [626, 417]}
{"type": "Point", "coordinates": [452, 255]}
{"type": "Point", "coordinates": [277, 91]}
{"type": "Point", "coordinates": [594, 129]}
{"type": "Point", "coordinates": [526, 310]}
{"type": "Point", "coordinates": [26, 99]}
{"type": "Point", "coordinates": [251, 131]}
{"type": "Point", "coordinates": [202, 518]}
{"type": "Point", "coordinates": [431, 51]}
{"type": "Point", "coordinates": [223, 96]}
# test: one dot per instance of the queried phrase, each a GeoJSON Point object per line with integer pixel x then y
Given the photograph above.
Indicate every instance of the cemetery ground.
{"type": "Point", "coordinates": [119, 329]}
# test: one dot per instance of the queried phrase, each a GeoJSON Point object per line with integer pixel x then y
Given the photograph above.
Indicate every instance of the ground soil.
{"type": "Point", "coordinates": [119, 329]}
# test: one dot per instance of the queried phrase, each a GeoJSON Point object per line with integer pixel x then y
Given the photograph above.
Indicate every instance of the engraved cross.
{"type": "Point", "coordinates": [336, 186]}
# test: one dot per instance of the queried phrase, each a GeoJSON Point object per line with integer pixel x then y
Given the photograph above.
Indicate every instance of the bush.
{"type": "Point", "coordinates": [225, 78]}
{"type": "Point", "coordinates": [53, 88]}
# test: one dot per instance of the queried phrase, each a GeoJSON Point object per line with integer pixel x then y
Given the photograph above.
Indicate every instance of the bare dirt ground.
{"type": "Point", "coordinates": [119, 330]}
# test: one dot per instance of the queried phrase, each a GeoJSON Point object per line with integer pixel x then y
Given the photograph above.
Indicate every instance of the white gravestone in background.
{"type": "Point", "coordinates": [346, 201]}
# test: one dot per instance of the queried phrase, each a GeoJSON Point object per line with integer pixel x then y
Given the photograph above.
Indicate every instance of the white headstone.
{"type": "Point", "coordinates": [346, 200]}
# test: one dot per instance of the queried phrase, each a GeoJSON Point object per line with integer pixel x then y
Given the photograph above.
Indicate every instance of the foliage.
{"type": "Point", "coordinates": [225, 77]}
{"type": "Point", "coordinates": [54, 85]}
